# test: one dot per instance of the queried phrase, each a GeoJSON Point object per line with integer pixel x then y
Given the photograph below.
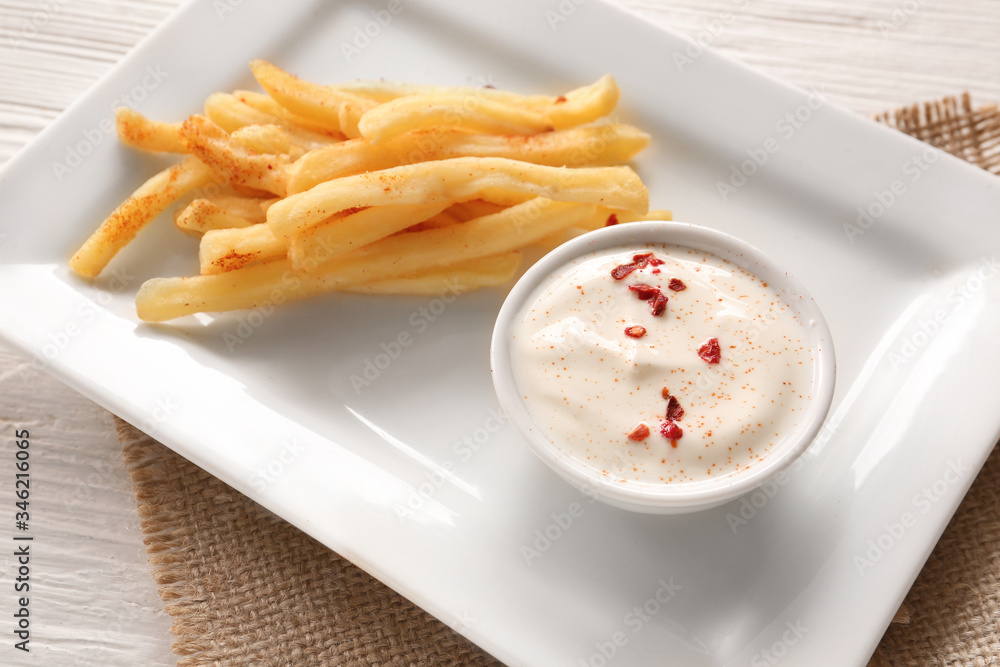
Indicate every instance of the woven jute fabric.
{"type": "Point", "coordinates": [953, 125]}
{"type": "Point", "coordinates": [245, 588]}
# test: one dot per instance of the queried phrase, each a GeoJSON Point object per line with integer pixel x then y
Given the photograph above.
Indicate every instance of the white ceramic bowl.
{"type": "Point", "coordinates": [681, 496]}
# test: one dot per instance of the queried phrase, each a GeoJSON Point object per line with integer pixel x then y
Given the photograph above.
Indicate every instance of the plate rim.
{"type": "Point", "coordinates": [91, 389]}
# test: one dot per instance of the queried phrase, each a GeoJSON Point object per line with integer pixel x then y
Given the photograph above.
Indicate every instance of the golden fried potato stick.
{"type": "Point", "coordinates": [226, 156]}
{"type": "Point", "coordinates": [505, 231]}
{"type": "Point", "coordinates": [263, 102]}
{"type": "Point", "coordinates": [443, 219]}
{"type": "Point", "coordinates": [332, 108]}
{"type": "Point", "coordinates": [575, 147]}
{"type": "Point", "coordinates": [455, 279]}
{"type": "Point", "coordinates": [202, 215]}
{"type": "Point", "coordinates": [268, 139]}
{"type": "Point", "coordinates": [162, 299]}
{"type": "Point", "coordinates": [228, 249]}
{"type": "Point", "coordinates": [474, 208]}
{"type": "Point", "coordinates": [585, 104]}
{"type": "Point", "coordinates": [469, 114]}
{"type": "Point", "coordinates": [385, 91]}
{"type": "Point", "coordinates": [231, 112]}
{"type": "Point", "coordinates": [458, 179]}
{"type": "Point", "coordinates": [652, 214]}
{"type": "Point", "coordinates": [479, 111]}
{"type": "Point", "coordinates": [252, 209]}
{"type": "Point", "coordinates": [616, 217]}
{"type": "Point", "coordinates": [147, 202]}
{"type": "Point", "coordinates": [381, 90]}
{"type": "Point", "coordinates": [340, 235]}
{"type": "Point", "coordinates": [137, 131]}
{"type": "Point", "coordinates": [606, 219]}
{"type": "Point", "coordinates": [458, 213]}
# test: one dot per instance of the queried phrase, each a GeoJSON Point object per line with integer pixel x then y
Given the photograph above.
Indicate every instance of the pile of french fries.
{"type": "Point", "coordinates": [370, 187]}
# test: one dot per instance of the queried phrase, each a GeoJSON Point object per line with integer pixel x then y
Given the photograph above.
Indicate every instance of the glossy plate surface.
{"type": "Point", "coordinates": [372, 423]}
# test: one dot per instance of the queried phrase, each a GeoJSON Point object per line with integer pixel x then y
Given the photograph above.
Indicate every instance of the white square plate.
{"type": "Point", "coordinates": [412, 476]}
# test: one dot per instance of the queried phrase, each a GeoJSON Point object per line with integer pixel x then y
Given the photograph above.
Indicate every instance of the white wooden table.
{"type": "Point", "coordinates": [93, 601]}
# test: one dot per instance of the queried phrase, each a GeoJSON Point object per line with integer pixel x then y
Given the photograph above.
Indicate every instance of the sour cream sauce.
{"type": "Point", "coordinates": [588, 385]}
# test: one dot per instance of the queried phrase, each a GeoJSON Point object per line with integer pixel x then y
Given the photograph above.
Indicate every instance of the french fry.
{"type": "Point", "coordinates": [137, 131]}
{"type": "Point", "coordinates": [505, 231]}
{"type": "Point", "coordinates": [268, 139]}
{"type": "Point", "coordinates": [162, 299]}
{"type": "Point", "coordinates": [232, 112]}
{"type": "Point", "coordinates": [202, 215]}
{"type": "Point", "coordinates": [252, 209]}
{"type": "Point", "coordinates": [337, 236]}
{"type": "Point", "coordinates": [576, 147]}
{"type": "Point", "coordinates": [615, 217]}
{"type": "Point", "coordinates": [228, 249]}
{"type": "Point", "coordinates": [286, 118]}
{"type": "Point", "coordinates": [442, 219]}
{"type": "Point", "coordinates": [600, 97]}
{"type": "Point", "coordinates": [585, 104]}
{"type": "Point", "coordinates": [457, 214]}
{"type": "Point", "coordinates": [504, 197]}
{"type": "Point", "coordinates": [455, 279]}
{"type": "Point", "coordinates": [654, 214]}
{"type": "Point", "coordinates": [474, 208]}
{"type": "Point", "coordinates": [228, 158]}
{"type": "Point", "coordinates": [477, 111]}
{"type": "Point", "coordinates": [331, 108]}
{"type": "Point", "coordinates": [473, 114]}
{"type": "Point", "coordinates": [147, 202]}
{"type": "Point", "coordinates": [457, 179]}
{"type": "Point", "coordinates": [384, 91]}
{"type": "Point", "coordinates": [604, 219]}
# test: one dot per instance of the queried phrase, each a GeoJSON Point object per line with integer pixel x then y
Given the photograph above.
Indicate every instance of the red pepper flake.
{"type": "Point", "coordinates": [658, 304]}
{"type": "Point", "coordinates": [640, 432]}
{"type": "Point", "coordinates": [674, 409]}
{"type": "Point", "coordinates": [671, 431]}
{"type": "Point", "coordinates": [656, 261]}
{"type": "Point", "coordinates": [622, 270]}
{"type": "Point", "coordinates": [677, 285]}
{"type": "Point", "coordinates": [643, 291]}
{"type": "Point", "coordinates": [612, 220]}
{"type": "Point", "coordinates": [639, 261]}
{"type": "Point", "coordinates": [665, 393]}
{"type": "Point", "coordinates": [635, 331]}
{"type": "Point", "coordinates": [710, 351]}
{"type": "Point", "coordinates": [655, 271]}
{"type": "Point", "coordinates": [560, 99]}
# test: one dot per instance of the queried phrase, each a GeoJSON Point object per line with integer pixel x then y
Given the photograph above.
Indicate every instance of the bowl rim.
{"type": "Point", "coordinates": [683, 496]}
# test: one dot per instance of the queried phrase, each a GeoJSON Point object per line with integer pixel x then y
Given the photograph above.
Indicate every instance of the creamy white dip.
{"type": "Point", "coordinates": [588, 384]}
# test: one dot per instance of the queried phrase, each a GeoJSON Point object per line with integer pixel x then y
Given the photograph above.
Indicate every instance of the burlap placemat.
{"type": "Point", "coordinates": [246, 588]}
